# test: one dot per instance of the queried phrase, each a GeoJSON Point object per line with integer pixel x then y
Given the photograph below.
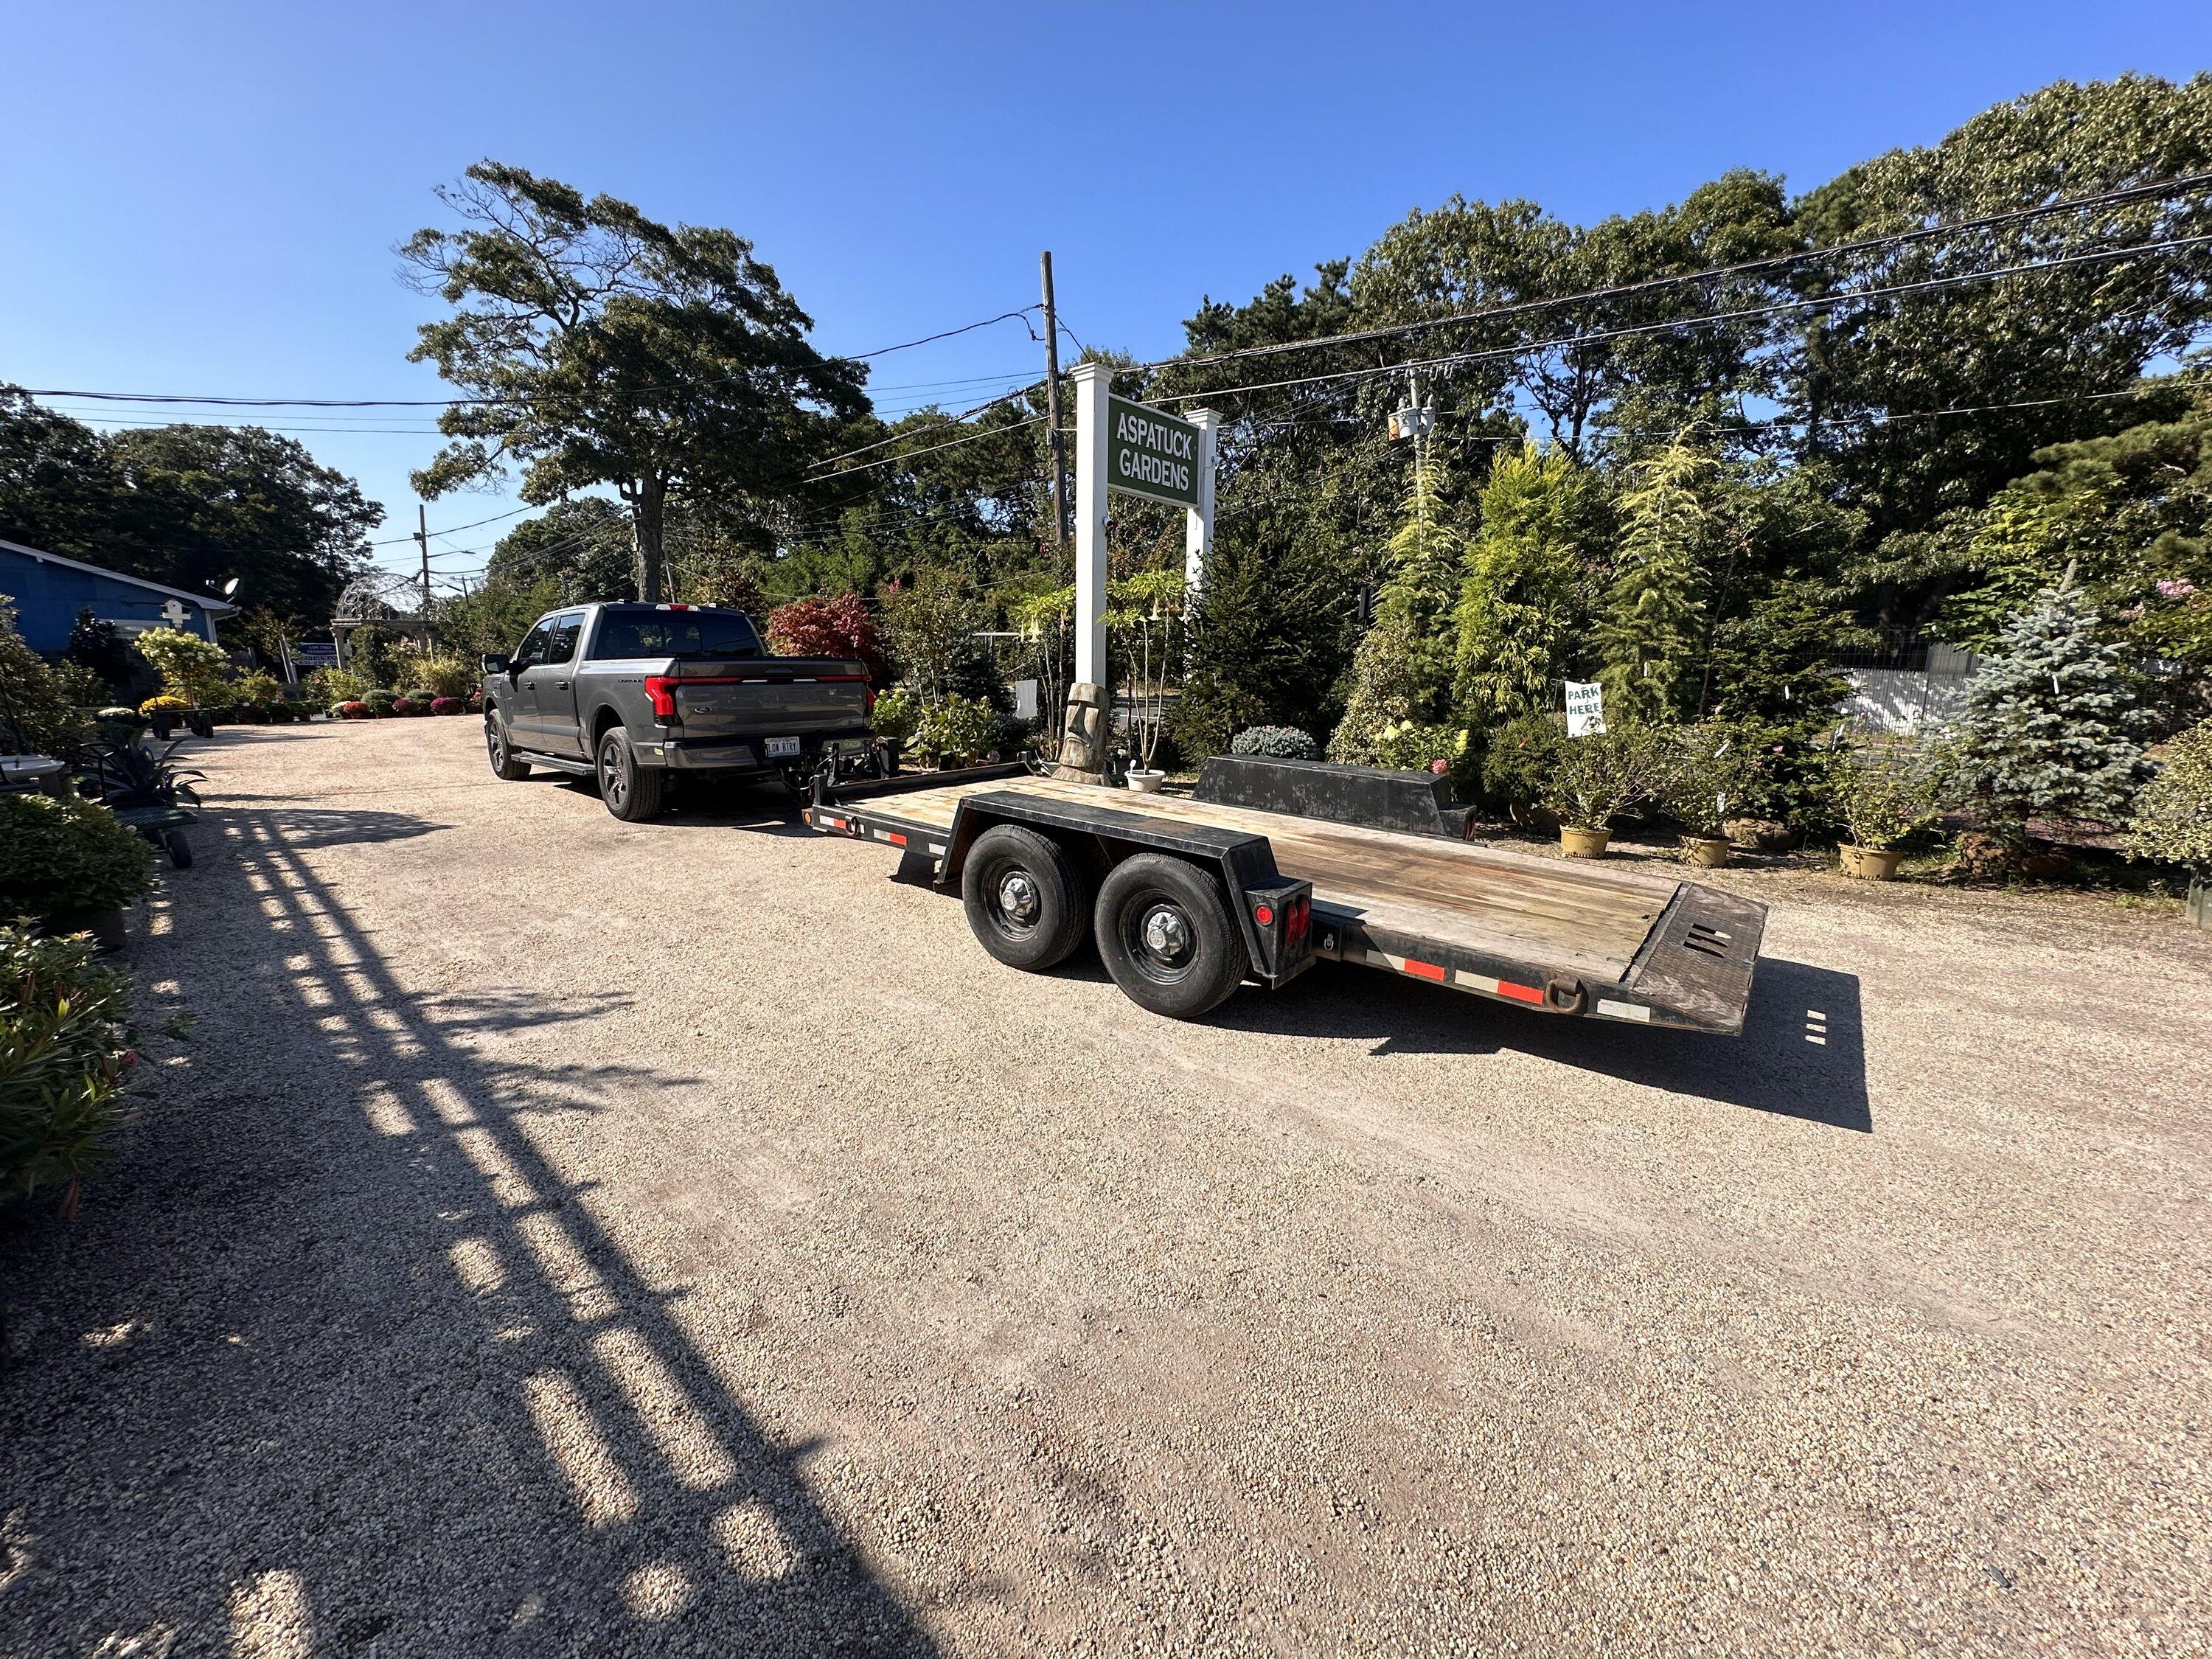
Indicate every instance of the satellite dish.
{"type": "Point", "coordinates": [230, 587]}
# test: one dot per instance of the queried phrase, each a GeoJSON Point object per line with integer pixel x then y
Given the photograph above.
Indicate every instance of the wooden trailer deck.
{"type": "Point", "coordinates": [1587, 918]}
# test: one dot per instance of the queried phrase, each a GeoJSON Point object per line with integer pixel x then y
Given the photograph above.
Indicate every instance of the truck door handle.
{"type": "Point", "coordinates": [560, 685]}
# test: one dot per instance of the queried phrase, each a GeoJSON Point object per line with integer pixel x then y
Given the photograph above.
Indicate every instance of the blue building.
{"type": "Point", "coordinates": [49, 591]}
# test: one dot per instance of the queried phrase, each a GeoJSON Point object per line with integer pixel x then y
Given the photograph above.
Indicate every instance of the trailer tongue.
{"type": "Point", "coordinates": [1266, 891]}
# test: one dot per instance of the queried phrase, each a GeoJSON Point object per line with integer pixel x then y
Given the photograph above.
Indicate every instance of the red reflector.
{"type": "Point", "coordinates": [1265, 916]}
{"type": "Point", "coordinates": [1425, 971]}
{"type": "Point", "coordinates": [896, 839]}
{"type": "Point", "coordinates": [836, 823]}
{"type": "Point", "coordinates": [660, 690]}
{"type": "Point", "coordinates": [1519, 992]}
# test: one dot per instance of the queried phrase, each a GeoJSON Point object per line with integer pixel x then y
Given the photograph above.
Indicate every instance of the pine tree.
{"type": "Point", "coordinates": [1654, 617]}
{"type": "Point", "coordinates": [1521, 606]}
{"type": "Point", "coordinates": [1402, 670]}
{"type": "Point", "coordinates": [2052, 728]}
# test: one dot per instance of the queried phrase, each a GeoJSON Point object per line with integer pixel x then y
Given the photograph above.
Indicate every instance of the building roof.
{"type": "Point", "coordinates": [206, 602]}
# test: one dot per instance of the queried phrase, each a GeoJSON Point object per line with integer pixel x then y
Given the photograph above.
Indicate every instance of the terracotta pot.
{"type": "Point", "coordinates": [1583, 843]}
{"type": "Point", "coordinates": [1706, 852]}
{"type": "Point", "coordinates": [1871, 863]}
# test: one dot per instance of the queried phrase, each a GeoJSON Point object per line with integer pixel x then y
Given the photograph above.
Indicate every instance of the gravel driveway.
{"type": "Point", "coordinates": [560, 1236]}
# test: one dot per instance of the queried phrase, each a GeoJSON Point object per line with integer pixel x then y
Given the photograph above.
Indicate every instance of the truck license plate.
{"type": "Point", "coordinates": [779, 747]}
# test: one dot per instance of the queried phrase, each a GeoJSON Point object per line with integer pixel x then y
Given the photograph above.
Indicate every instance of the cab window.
{"type": "Point", "coordinates": [562, 647]}
{"type": "Point", "coordinates": [531, 651]}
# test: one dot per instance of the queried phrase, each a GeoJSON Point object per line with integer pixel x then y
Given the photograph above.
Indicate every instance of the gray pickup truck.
{"type": "Point", "coordinates": [632, 695]}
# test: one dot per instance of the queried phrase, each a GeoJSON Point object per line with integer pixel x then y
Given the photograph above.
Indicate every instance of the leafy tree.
{"type": "Point", "coordinates": [1403, 669]}
{"type": "Point", "coordinates": [37, 716]}
{"type": "Point", "coordinates": [841, 627]}
{"type": "Point", "coordinates": [931, 627]}
{"type": "Point", "coordinates": [1524, 604]}
{"type": "Point", "coordinates": [582, 545]}
{"type": "Point", "coordinates": [1653, 621]}
{"type": "Point", "coordinates": [2052, 728]}
{"type": "Point", "coordinates": [600, 347]}
{"type": "Point", "coordinates": [2173, 815]}
{"type": "Point", "coordinates": [189, 506]}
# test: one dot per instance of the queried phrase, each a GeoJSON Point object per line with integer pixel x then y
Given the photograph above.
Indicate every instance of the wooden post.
{"type": "Point", "coordinates": [1056, 440]}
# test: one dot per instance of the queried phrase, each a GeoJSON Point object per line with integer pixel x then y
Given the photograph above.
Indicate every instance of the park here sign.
{"type": "Point", "coordinates": [1151, 452]}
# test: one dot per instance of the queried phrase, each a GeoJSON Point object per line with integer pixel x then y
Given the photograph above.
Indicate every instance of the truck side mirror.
{"type": "Point", "coordinates": [494, 666]}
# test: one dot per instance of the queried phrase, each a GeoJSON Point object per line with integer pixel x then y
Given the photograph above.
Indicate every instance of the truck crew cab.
{"type": "Point", "coordinates": [632, 694]}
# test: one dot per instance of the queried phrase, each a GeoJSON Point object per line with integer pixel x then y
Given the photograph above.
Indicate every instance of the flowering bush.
{"type": "Point", "coordinates": [351, 711]}
{"type": "Point", "coordinates": [62, 855]}
{"type": "Point", "coordinates": [195, 669]}
{"type": "Point", "coordinates": [1412, 748]}
{"type": "Point", "coordinates": [405, 706]}
{"type": "Point", "coordinates": [448, 706]}
{"type": "Point", "coordinates": [1276, 742]}
{"type": "Point", "coordinates": [65, 1057]}
{"type": "Point", "coordinates": [164, 703]}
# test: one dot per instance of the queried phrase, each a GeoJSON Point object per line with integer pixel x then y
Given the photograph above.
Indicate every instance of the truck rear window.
{"type": "Point", "coordinates": [691, 634]}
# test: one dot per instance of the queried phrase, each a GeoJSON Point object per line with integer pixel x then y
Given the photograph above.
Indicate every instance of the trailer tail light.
{"type": "Point", "coordinates": [660, 690]}
{"type": "Point", "coordinates": [1265, 916]}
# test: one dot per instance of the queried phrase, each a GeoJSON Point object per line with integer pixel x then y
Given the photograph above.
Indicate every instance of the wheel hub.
{"type": "Point", "coordinates": [1017, 896]}
{"type": "Point", "coordinates": [1166, 933]}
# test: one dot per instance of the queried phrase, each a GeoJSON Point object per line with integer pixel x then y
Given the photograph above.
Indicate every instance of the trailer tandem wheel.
{"type": "Point", "coordinates": [1027, 901]}
{"type": "Point", "coordinates": [1167, 937]}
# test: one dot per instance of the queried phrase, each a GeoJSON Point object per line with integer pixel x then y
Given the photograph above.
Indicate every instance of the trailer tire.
{"type": "Point", "coordinates": [1027, 901]}
{"type": "Point", "coordinates": [1167, 937]}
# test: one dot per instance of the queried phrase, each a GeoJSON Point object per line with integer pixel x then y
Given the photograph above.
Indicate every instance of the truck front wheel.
{"type": "Point", "coordinates": [631, 792]}
{"type": "Point", "coordinates": [1167, 937]}
{"type": "Point", "coordinates": [503, 763]}
{"type": "Point", "coordinates": [1025, 897]}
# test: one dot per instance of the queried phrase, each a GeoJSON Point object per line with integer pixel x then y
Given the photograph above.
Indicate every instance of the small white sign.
{"type": "Point", "coordinates": [1585, 708]}
{"type": "Point", "coordinates": [1026, 700]}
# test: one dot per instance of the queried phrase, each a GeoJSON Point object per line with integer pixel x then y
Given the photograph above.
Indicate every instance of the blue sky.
{"type": "Point", "coordinates": [203, 198]}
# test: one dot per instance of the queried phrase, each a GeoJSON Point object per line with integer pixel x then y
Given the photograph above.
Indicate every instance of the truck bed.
{"type": "Point", "coordinates": [1649, 948]}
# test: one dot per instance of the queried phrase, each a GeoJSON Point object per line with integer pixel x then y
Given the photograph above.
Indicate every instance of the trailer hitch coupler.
{"type": "Point", "coordinates": [1566, 996]}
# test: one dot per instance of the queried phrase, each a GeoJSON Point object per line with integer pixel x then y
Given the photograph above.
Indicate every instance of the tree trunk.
{"type": "Point", "coordinates": [647, 513]}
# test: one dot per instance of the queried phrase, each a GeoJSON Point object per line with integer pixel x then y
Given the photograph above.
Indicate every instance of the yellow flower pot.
{"type": "Point", "coordinates": [1583, 843]}
{"type": "Point", "coordinates": [1706, 852]}
{"type": "Point", "coordinates": [1872, 863]}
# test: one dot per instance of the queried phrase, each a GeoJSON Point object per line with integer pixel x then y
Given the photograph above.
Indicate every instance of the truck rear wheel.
{"type": "Point", "coordinates": [1167, 937]}
{"type": "Point", "coordinates": [631, 792]}
{"type": "Point", "coordinates": [503, 763]}
{"type": "Point", "coordinates": [1025, 897]}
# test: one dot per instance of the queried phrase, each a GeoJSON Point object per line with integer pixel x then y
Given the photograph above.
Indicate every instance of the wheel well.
{"type": "Point", "coordinates": [602, 722]}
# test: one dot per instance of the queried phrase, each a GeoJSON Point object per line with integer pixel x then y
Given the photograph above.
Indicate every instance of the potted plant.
{"type": "Point", "coordinates": [953, 728]}
{"type": "Point", "coordinates": [896, 716]}
{"type": "Point", "coordinates": [71, 864]}
{"type": "Point", "coordinates": [163, 711]}
{"type": "Point", "coordinates": [1592, 780]}
{"type": "Point", "coordinates": [2173, 821]}
{"type": "Point", "coordinates": [1705, 771]}
{"type": "Point", "coordinates": [1147, 607]}
{"type": "Point", "coordinates": [1884, 792]}
{"type": "Point", "coordinates": [65, 1022]}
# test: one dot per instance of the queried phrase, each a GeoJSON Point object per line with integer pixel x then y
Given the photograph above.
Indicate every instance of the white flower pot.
{"type": "Point", "coordinates": [1147, 782]}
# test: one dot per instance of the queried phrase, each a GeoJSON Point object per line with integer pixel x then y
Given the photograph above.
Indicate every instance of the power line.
{"type": "Point", "coordinates": [1021, 316]}
{"type": "Point", "coordinates": [1898, 239]}
{"type": "Point", "coordinates": [1595, 336]}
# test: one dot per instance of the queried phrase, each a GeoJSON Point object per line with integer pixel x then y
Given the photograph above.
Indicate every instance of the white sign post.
{"type": "Point", "coordinates": [1141, 451]}
{"type": "Point", "coordinates": [1585, 708]}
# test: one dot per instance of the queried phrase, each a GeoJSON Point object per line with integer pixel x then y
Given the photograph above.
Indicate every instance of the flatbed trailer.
{"type": "Point", "coordinates": [1545, 934]}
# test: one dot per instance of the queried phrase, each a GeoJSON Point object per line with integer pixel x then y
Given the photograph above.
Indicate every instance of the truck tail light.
{"type": "Point", "coordinates": [660, 688]}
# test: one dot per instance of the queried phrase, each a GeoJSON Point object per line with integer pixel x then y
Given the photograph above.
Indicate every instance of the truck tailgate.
{"type": "Point", "coordinates": [773, 699]}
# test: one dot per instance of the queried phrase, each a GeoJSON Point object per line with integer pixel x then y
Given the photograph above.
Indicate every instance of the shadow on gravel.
{"type": "Point", "coordinates": [1803, 1052]}
{"type": "Point", "coordinates": [336, 1363]}
{"type": "Point", "coordinates": [765, 809]}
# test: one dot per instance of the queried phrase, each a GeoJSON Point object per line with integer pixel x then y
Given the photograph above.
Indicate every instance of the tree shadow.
{"type": "Point", "coordinates": [337, 1358]}
{"type": "Point", "coordinates": [1802, 1054]}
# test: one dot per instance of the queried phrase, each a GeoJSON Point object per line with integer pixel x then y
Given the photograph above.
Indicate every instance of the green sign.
{"type": "Point", "coordinates": [1151, 452]}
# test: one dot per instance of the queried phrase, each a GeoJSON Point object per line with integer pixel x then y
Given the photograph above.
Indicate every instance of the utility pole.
{"type": "Point", "coordinates": [422, 541]}
{"type": "Point", "coordinates": [1059, 444]}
